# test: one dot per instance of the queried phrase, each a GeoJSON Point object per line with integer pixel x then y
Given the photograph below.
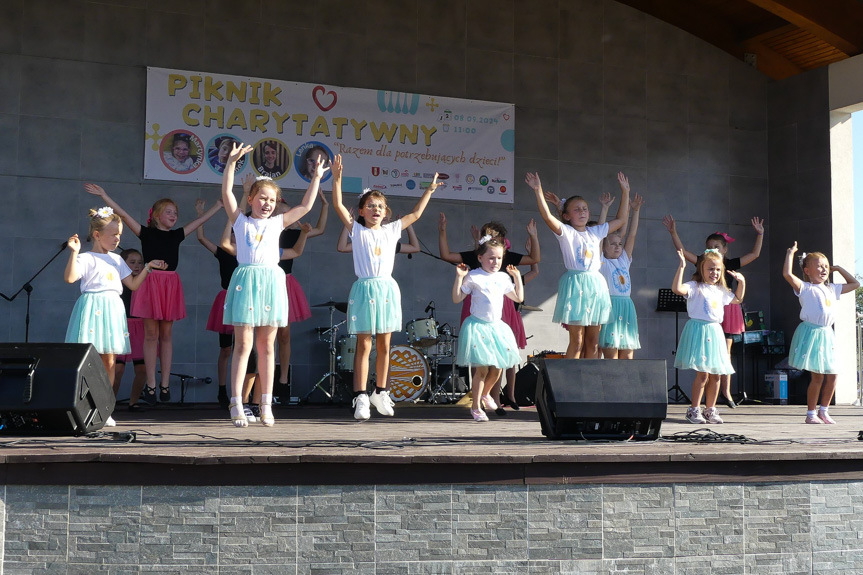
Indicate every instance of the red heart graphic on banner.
{"type": "Point", "coordinates": [319, 90]}
{"type": "Point", "coordinates": [506, 116]}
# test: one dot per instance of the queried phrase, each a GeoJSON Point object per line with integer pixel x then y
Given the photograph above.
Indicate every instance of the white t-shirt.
{"type": "Point", "coordinates": [486, 293]}
{"type": "Point", "coordinates": [616, 274]}
{"type": "Point", "coordinates": [581, 249]}
{"type": "Point", "coordinates": [706, 302]}
{"type": "Point", "coordinates": [258, 240]}
{"type": "Point", "coordinates": [102, 272]}
{"type": "Point", "coordinates": [375, 250]}
{"type": "Point", "coordinates": [818, 302]}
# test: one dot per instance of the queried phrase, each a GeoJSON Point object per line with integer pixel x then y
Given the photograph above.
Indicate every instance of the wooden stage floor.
{"type": "Point", "coordinates": [432, 444]}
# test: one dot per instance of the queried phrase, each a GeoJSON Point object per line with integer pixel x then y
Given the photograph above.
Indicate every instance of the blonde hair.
{"type": "Point", "coordinates": [265, 183]}
{"type": "Point", "coordinates": [806, 258]}
{"type": "Point", "coordinates": [698, 276]}
{"type": "Point", "coordinates": [99, 223]}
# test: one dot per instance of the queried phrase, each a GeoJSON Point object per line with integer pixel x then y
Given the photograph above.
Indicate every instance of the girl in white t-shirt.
{"type": "Point", "coordinates": [374, 304]}
{"type": "Point", "coordinates": [702, 343]}
{"type": "Point", "coordinates": [583, 303]}
{"type": "Point", "coordinates": [813, 342]}
{"type": "Point", "coordinates": [485, 341]}
{"type": "Point", "coordinates": [99, 316]}
{"type": "Point", "coordinates": [618, 338]}
{"type": "Point", "coordinates": [256, 303]}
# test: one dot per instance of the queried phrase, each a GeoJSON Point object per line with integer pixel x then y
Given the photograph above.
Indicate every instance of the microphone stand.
{"type": "Point", "coordinates": [28, 287]}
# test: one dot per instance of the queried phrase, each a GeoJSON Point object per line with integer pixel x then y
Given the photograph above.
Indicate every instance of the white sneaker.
{"type": "Point", "coordinates": [110, 422]}
{"type": "Point", "coordinates": [361, 407]}
{"type": "Point", "coordinates": [383, 403]}
{"type": "Point", "coordinates": [711, 414]}
{"type": "Point", "coordinates": [693, 415]}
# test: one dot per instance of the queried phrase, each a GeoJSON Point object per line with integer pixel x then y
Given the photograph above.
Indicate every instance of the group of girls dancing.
{"type": "Point", "coordinates": [260, 298]}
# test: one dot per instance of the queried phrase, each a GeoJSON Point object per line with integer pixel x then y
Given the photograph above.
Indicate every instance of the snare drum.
{"type": "Point", "coordinates": [422, 332]}
{"type": "Point", "coordinates": [409, 372]}
{"type": "Point", "coordinates": [347, 351]}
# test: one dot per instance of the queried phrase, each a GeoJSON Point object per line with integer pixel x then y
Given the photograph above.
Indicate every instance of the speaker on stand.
{"type": "Point", "coordinates": [53, 389]}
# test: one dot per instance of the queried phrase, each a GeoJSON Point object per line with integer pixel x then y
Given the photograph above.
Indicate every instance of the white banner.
{"type": "Point", "coordinates": [391, 141]}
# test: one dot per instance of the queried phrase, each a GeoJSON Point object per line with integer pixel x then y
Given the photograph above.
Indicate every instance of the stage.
{"type": "Point", "coordinates": [433, 444]}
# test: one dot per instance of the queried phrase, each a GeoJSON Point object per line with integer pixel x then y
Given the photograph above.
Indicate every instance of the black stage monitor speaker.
{"type": "Point", "coordinates": [53, 389]}
{"type": "Point", "coordinates": [601, 398]}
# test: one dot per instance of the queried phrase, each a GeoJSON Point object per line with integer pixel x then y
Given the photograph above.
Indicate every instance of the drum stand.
{"type": "Point", "coordinates": [437, 390]}
{"type": "Point", "coordinates": [328, 335]}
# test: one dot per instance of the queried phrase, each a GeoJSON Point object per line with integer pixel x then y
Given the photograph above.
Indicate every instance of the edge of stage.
{"type": "Point", "coordinates": [432, 444]}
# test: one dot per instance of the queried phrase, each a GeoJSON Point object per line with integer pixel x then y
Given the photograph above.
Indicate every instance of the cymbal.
{"type": "Point", "coordinates": [530, 308]}
{"type": "Point", "coordinates": [342, 306]}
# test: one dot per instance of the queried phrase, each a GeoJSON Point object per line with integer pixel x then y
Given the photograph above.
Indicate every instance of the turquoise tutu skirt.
{"type": "Point", "coordinates": [702, 347]}
{"type": "Point", "coordinates": [621, 331]}
{"type": "Point", "coordinates": [487, 343]}
{"type": "Point", "coordinates": [100, 318]}
{"type": "Point", "coordinates": [582, 299]}
{"type": "Point", "coordinates": [812, 349]}
{"type": "Point", "coordinates": [374, 306]}
{"type": "Point", "coordinates": [256, 297]}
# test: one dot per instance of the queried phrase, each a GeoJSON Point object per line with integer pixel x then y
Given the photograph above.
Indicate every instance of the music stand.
{"type": "Point", "coordinates": [667, 300]}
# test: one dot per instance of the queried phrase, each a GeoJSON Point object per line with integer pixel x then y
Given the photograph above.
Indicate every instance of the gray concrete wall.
{"type": "Point", "coordinates": [598, 87]}
{"type": "Point", "coordinates": [789, 528]}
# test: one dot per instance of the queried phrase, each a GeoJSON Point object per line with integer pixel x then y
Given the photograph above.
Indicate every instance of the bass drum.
{"type": "Point", "coordinates": [409, 372]}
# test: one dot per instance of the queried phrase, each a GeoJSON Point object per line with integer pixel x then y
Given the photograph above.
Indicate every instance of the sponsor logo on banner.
{"type": "Point", "coordinates": [503, 189]}
{"type": "Point", "coordinates": [395, 174]}
{"type": "Point", "coordinates": [483, 180]}
{"type": "Point", "coordinates": [469, 179]}
{"type": "Point", "coordinates": [498, 181]}
{"type": "Point", "coordinates": [441, 176]}
{"type": "Point", "coordinates": [456, 188]}
{"type": "Point", "coordinates": [376, 171]}
{"type": "Point", "coordinates": [410, 184]}
{"type": "Point", "coordinates": [490, 189]}
{"type": "Point", "coordinates": [474, 188]}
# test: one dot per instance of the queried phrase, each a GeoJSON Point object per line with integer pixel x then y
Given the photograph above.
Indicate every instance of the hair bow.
{"type": "Point", "coordinates": [711, 251]}
{"type": "Point", "coordinates": [506, 244]}
{"type": "Point", "coordinates": [149, 216]}
{"type": "Point", "coordinates": [484, 239]}
{"type": "Point", "coordinates": [802, 259]}
{"type": "Point", "coordinates": [728, 239]}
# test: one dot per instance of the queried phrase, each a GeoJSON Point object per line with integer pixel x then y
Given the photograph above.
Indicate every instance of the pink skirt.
{"type": "Point", "coordinates": [510, 317]}
{"type": "Point", "coordinates": [217, 314]}
{"type": "Point", "coordinates": [136, 341]}
{"type": "Point", "coordinates": [732, 322]}
{"type": "Point", "coordinates": [160, 297]}
{"type": "Point", "coordinates": [298, 305]}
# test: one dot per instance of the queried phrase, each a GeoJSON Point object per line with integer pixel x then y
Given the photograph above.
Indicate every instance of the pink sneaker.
{"type": "Point", "coordinates": [813, 420]}
{"type": "Point", "coordinates": [478, 415]}
{"type": "Point", "coordinates": [823, 416]}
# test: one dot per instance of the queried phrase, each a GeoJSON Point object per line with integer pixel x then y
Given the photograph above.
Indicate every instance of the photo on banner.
{"type": "Point", "coordinates": [389, 141]}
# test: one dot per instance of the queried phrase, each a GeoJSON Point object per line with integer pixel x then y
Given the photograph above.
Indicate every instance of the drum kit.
{"type": "Point", "coordinates": [413, 374]}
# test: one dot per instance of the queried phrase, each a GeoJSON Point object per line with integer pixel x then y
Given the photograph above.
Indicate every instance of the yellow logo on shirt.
{"type": "Point", "coordinates": [827, 302]}
{"type": "Point", "coordinates": [109, 276]}
{"type": "Point", "coordinates": [588, 254]}
{"type": "Point", "coordinates": [621, 279]}
{"type": "Point", "coordinates": [378, 250]}
{"type": "Point", "coordinates": [714, 304]}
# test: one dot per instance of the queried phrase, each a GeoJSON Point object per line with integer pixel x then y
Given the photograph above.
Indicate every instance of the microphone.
{"type": "Point", "coordinates": [63, 244]}
{"type": "Point", "coordinates": [429, 307]}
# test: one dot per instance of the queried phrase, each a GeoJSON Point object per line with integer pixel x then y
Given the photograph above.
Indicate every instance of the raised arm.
{"type": "Point", "coordinates": [677, 284]}
{"type": "Point", "coordinates": [413, 245]}
{"type": "Point", "coordinates": [851, 283]}
{"type": "Point", "coordinates": [308, 200]}
{"type": "Point", "coordinates": [516, 295]}
{"type": "Point", "coordinates": [343, 245]}
{"type": "Point", "coordinates": [297, 250]}
{"type": "Point", "coordinates": [199, 221]}
{"type": "Point", "coordinates": [536, 185]}
{"type": "Point", "coordinates": [460, 273]}
{"type": "Point", "coordinates": [622, 217]}
{"type": "Point", "coordinates": [605, 200]}
{"type": "Point", "coordinates": [788, 267]}
{"type": "Point", "coordinates": [228, 199]}
{"type": "Point", "coordinates": [636, 204]}
{"type": "Point", "coordinates": [72, 274]}
{"type": "Point", "coordinates": [130, 222]}
{"type": "Point", "coordinates": [321, 226]}
{"type": "Point", "coordinates": [741, 287]}
{"type": "Point", "coordinates": [418, 210]}
{"type": "Point", "coordinates": [555, 201]}
{"type": "Point", "coordinates": [199, 208]}
{"type": "Point", "coordinates": [758, 224]}
{"type": "Point", "coordinates": [443, 244]}
{"type": "Point", "coordinates": [534, 268]}
{"type": "Point", "coordinates": [338, 205]}
{"type": "Point", "coordinates": [671, 226]}
{"type": "Point", "coordinates": [533, 255]}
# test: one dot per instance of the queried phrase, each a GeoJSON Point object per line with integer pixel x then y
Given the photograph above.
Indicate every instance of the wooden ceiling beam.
{"type": "Point", "coordinates": [838, 22]}
{"type": "Point", "coordinates": [770, 62]}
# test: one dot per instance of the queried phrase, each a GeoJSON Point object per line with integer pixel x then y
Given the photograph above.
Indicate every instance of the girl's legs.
{"type": "Point", "coordinates": [243, 339]}
{"type": "Point", "coordinates": [284, 337]}
{"type": "Point", "coordinates": [826, 396]}
{"type": "Point", "coordinates": [108, 360]}
{"type": "Point", "coordinates": [591, 342]}
{"type": "Point", "coordinates": [166, 354]}
{"type": "Point", "coordinates": [814, 392]}
{"type": "Point", "coordinates": [265, 338]}
{"type": "Point", "coordinates": [625, 353]}
{"type": "Point", "coordinates": [380, 398]}
{"type": "Point", "coordinates": [611, 353]}
{"type": "Point", "coordinates": [711, 391]}
{"type": "Point", "coordinates": [477, 386]}
{"type": "Point", "coordinates": [509, 389]}
{"type": "Point", "coordinates": [576, 339]}
{"type": "Point", "coordinates": [698, 385]}
{"type": "Point", "coordinates": [361, 361]}
{"type": "Point", "coordinates": [225, 342]}
{"type": "Point", "coordinates": [138, 383]}
{"type": "Point", "coordinates": [492, 378]}
{"type": "Point", "coordinates": [119, 370]}
{"type": "Point", "coordinates": [151, 347]}
{"type": "Point", "coordinates": [725, 382]}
